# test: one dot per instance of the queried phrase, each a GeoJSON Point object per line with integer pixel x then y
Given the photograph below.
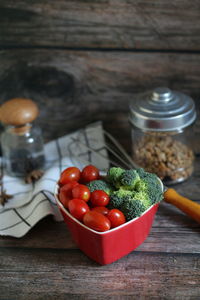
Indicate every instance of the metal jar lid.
{"type": "Point", "coordinates": [162, 110]}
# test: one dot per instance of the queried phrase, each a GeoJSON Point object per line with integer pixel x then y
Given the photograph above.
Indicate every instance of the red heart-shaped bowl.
{"type": "Point", "coordinates": [107, 247]}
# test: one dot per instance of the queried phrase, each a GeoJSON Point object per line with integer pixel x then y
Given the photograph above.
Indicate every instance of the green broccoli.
{"type": "Point", "coordinates": [131, 203]}
{"type": "Point", "coordinates": [150, 184]}
{"type": "Point", "coordinates": [137, 191]}
{"type": "Point", "coordinates": [114, 176]}
{"type": "Point", "coordinates": [129, 179]}
{"type": "Point", "coordinates": [141, 172]}
{"type": "Point", "coordinates": [117, 198]}
{"type": "Point", "coordinates": [135, 206]}
{"type": "Point", "coordinates": [99, 185]}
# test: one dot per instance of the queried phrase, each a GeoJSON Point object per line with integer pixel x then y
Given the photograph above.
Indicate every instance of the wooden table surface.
{"type": "Point", "coordinates": [46, 264]}
{"type": "Point", "coordinates": [83, 61]}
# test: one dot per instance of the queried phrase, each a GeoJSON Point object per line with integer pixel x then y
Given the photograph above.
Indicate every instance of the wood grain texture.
{"type": "Point", "coordinates": [73, 88]}
{"type": "Point", "coordinates": [101, 24]}
{"type": "Point", "coordinates": [138, 275]}
{"type": "Point", "coordinates": [168, 234]}
{"type": "Point", "coordinates": [96, 80]}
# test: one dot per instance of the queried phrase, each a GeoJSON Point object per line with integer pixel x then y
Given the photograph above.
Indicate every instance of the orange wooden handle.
{"type": "Point", "coordinates": [189, 207]}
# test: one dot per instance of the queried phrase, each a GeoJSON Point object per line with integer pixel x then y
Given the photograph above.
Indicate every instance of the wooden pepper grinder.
{"type": "Point", "coordinates": [21, 141]}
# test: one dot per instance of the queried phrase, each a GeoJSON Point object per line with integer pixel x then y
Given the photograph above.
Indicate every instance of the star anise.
{"type": "Point", "coordinates": [33, 176]}
{"type": "Point", "coordinates": [4, 197]}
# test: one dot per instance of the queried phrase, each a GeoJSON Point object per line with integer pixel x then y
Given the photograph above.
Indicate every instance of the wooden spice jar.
{"type": "Point", "coordinates": [21, 141]}
{"type": "Point", "coordinates": [161, 122]}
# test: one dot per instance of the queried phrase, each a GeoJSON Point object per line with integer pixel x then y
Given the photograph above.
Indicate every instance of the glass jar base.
{"type": "Point", "coordinates": [22, 167]}
{"type": "Point", "coordinates": [175, 181]}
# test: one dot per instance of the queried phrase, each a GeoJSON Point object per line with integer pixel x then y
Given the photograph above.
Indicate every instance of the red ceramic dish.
{"type": "Point", "coordinates": [107, 247]}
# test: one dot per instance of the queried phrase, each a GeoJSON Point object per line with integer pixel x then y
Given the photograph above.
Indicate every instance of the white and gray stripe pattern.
{"type": "Point", "coordinates": [32, 202]}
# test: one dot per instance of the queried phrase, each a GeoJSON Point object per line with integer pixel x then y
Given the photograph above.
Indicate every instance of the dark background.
{"type": "Point", "coordinates": [83, 61]}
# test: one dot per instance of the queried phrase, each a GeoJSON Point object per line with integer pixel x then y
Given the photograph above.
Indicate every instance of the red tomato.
{"type": "Point", "coordinates": [69, 174]}
{"type": "Point", "coordinates": [89, 173]}
{"type": "Point", "coordinates": [116, 217]}
{"type": "Point", "coordinates": [96, 221]}
{"type": "Point", "coordinates": [101, 209]}
{"type": "Point", "coordinates": [65, 192]}
{"type": "Point", "coordinates": [78, 208]}
{"type": "Point", "coordinates": [99, 198]}
{"type": "Point", "coordinates": [81, 191]}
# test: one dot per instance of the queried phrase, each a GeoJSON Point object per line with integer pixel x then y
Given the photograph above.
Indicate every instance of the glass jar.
{"type": "Point", "coordinates": [22, 148]}
{"type": "Point", "coordinates": [161, 129]}
{"type": "Point", "coordinates": [21, 141]}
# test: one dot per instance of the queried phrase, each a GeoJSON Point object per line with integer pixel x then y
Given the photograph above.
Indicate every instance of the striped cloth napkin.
{"type": "Point", "coordinates": [32, 202]}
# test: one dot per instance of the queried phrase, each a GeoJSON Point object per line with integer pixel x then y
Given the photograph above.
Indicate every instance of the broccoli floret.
{"type": "Point", "coordinates": [150, 184]}
{"type": "Point", "coordinates": [114, 176]}
{"type": "Point", "coordinates": [100, 185]}
{"type": "Point", "coordinates": [131, 203]}
{"type": "Point", "coordinates": [129, 179]}
{"type": "Point", "coordinates": [140, 185]}
{"type": "Point", "coordinates": [132, 209]}
{"type": "Point", "coordinates": [141, 172]}
{"type": "Point", "coordinates": [135, 206]}
{"type": "Point", "coordinates": [117, 198]}
{"type": "Point", "coordinates": [154, 190]}
{"type": "Point", "coordinates": [137, 191]}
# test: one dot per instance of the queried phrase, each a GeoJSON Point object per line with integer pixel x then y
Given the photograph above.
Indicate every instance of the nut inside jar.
{"type": "Point", "coordinates": [163, 154]}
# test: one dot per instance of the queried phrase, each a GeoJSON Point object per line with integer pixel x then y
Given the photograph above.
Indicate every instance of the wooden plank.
{"type": "Point", "coordinates": [101, 24]}
{"type": "Point", "coordinates": [168, 234]}
{"type": "Point", "coordinates": [74, 88]}
{"type": "Point", "coordinates": [25, 273]}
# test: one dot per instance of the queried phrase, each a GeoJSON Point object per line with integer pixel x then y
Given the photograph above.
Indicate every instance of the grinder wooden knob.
{"type": "Point", "coordinates": [18, 111]}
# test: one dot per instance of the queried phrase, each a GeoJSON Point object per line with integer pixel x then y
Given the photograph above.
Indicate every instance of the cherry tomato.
{"type": "Point", "coordinates": [70, 174]}
{"type": "Point", "coordinates": [116, 217]}
{"type": "Point", "coordinates": [65, 193]}
{"type": "Point", "coordinates": [78, 208]}
{"type": "Point", "coordinates": [81, 191]}
{"type": "Point", "coordinates": [101, 209]}
{"type": "Point", "coordinates": [99, 198]}
{"type": "Point", "coordinates": [96, 221]}
{"type": "Point", "coordinates": [89, 173]}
